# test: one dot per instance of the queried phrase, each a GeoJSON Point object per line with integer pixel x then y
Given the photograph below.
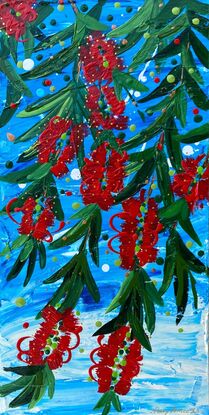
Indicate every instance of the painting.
{"type": "Point", "coordinates": [104, 186]}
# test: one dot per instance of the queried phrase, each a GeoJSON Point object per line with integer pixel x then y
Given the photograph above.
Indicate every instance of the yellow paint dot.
{"type": "Point", "coordinates": [146, 35]}
{"type": "Point", "coordinates": [167, 313]}
{"type": "Point", "coordinates": [7, 256]}
{"type": "Point", "coordinates": [117, 4]}
{"type": "Point", "coordinates": [132, 128]}
{"type": "Point", "coordinates": [52, 88]}
{"type": "Point", "coordinates": [171, 79]}
{"type": "Point", "coordinates": [195, 21]}
{"type": "Point", "coordinates": [175, 11]}
{"type": "Point", "coordinates": [67, 179]}
{"type": "Point", "coordinates": [153, 186]}
{"type": "Point", "coordinates": [60, 7]}
{"type": "Point", "coordinates": [89, 379]}
{"type": "Point", "coordinates": [98, 323]}
{"type": "Point", "coordinates": [117, 262]}
{"type": "Point", "coordinates": [75, 205]}
{"type": "Point", "coordinates": [171, 172]}
{"type": "Point", "coordinates": [20, 64]}
{"type": "Point", "coordinates": [189, 244]}
{"type": "Point", "coordinates": [20, 302]}
{"type": "Point", "coordinates": [152, 74]}
{"type": "Point", "coordinates": [191, 71]}
{"type": "Point", "coordinates": [62, 43]}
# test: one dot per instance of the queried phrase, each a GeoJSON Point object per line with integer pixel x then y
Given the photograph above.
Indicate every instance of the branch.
{"type": "Point", "coordinates": [74, 7]}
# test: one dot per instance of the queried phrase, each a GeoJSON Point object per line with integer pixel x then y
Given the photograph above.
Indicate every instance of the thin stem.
{"type": "Point", "coordinates": [73, 5]}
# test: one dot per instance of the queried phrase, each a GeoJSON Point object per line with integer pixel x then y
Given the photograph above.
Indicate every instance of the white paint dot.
{"type": "Point", "coordinates": [144, 79]}
{"type": "Point", "coordinates": [22, 185]}
{"type": "Point", "coordinates": [28, 64]}
{"type": "Point", "coordinates": [137, 94]}
{"type": "Point", "coordinates": [188, 150]}
{"type": "Point", "coordinates": [105, 267]}
{"type": "Point", "coordinates": [75, 174]}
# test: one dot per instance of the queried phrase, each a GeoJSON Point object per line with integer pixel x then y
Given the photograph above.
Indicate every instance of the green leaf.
{"type": "Point", "coordinates": [198, 7]}
{"type": "Point", "coordinates": [188, 228]}
{"type": "Point", "coordinates": [29, 154]}
{"type": "Point", "coordinates": [142, 156]}
{"type": "Point", "coordinates": [19, 241]}
{"type": "Point", "coordinates": [106, 409]}
{"type": "Point", "coordinates": [90, 22]}
{"type": "Point", "coordinates": [19, 176]}
{"type": "Point", "coordinates": [170, 261]}
{"type": "Point", "coordinates": [38, 390]}
{"type": "Point", "coordinates": [150, 288]}
{"type": "Point", "coordinates": [202, 27]}
{"type": "Point", "coordinates": [194, 291]}
{"type": "Point", "coordinates": [165, 87]}
{"type": "Point", "coordinates": [42, 255]}
{"type": "Point", "coordinates": [116, 402]}
{"type": "Point", "coordinates": [28, 247]}
{"type": "Point", "coordinates": [199, 49]}
{"type": "Point", "coordinates": [195, 92]}
{"type": "Point", "coordinates": [140, 19]}
{"type": "Point", "coordinates": [24, 397]}
{"type": "Point", "coordinates": [74, 290]}
{"type": "Point", "coordinates": [85, 212]}
{"type": "Point", "coordinates": [16, 268]}
{"type": "Point", "coordinates": [163, 178]}
{"type": "Point", "coordinates": [188, 63]}
{"type": "Point", "coordinates": [145, 53]}
{"type": "Point", "coordinates": [179, 23]}
{"type": "Point", "coordinates": [173, 145]}
{"type": "Point", "coordinates": [139, 332]}
{"type": "Point", "coordinates": [181, 105]}
{"type": "Point", "coordinates": [181, 288]}
{"type": "Point", "coordinates": [14, 386]}
{"type": "Point", "coordinates": [138, 181]}
{"type": "Point", "coordinates": [126, 81]}
{"type": "Point", "coordinates": [15, 79]}
{"type": "Point", "coordinates": [31, 265]}
{"type": "Point", "coordinates": [40, 171]}
{"type": "Point", "coordinates": [62, 272]}
{"type": "Point", "coordinates": [94, 235]}
{"type": "Point", "coordinates": [89, 280]}
{"type": "Point", "coordinates": [43, 10]}
{"type": "Point", "coordinates": [149, 313]}
{"type": "Point", "coordinates": [52, 193]}
{"type": "Point", "coordinates": [45, 107]}
{"type": "Point", "coordinates": [103, 400]}
{"type": "Point", "coordinates": [123, 293]}
{"type": "Point", "coordinates": [112, 325]}
{"type": "Point", "coordinates": [195, 135]}
{"type": "Point", "coordinates": [176, 210]}
{"type": "Point", "coordinates": [190, 259]}
{"type": "Point", "coordinates": [28, 43]}
{"type": "Point", "coordinates": [12, 96]}
{"type": "Point", "coordinates": [72, 235]}
{"type": "Point", "coordinates": [25, 370]}
{"type": "Point", "coordinates": [50, 381]}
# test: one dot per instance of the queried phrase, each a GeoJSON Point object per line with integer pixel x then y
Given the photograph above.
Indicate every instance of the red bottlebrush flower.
{"type": "Point", "coordinates": [49, 137]}
{"type": "Point", "coordinates": [52, 341]}
{"type": "Point", "coordinates": [14, 16]}
{"type": "Point", "coordinates": [139, 234]}
{"type": "Point", "coordinates": [78, 133]}
{"type": "Point", "coordinates": [193, 182]}
{"type": "Point", "coordinates": [119, 361]}
{"type": "Point", "coordinates": [36, 219]}
{"type": "Point", "coordinates": [106, 110]}
{"type": "Point", "coordinates": [99, 58]}
{"type": "Point", "coordinates": [102, 176]}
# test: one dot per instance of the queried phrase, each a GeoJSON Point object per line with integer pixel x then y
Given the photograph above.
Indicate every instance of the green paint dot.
{"type": "Point", "coordinates": [180, 330]}
{"type": "Point", "coordinates": [20, 64]}
{"type": "Point", "coordinates": [137, 249]}
{"type": "Point", "coordinates": [189, 244]}
{"type": "Point", "coordinates": [153, 186]}
{"type": "Point", "coordinates": [38, 208]}
{"type": "Point", "coordinates": [167, 313]}
{"type": "Point", "coordinates": [81, 350]}
{"type": "Point", "coordinates": [117, 262]}
{"type": "Point", "coordinates": [200, 170]}
{"type": "Point", "coordinates": [132, 128]}
{"type": "Point", "coordinates": [171, 79]}
{"type": "Point", "coordinates": [78, 313]}
{"type": "Point", "coordinates": [146, 35]}
{"type": "Point", "coordinates": [175, 11]}
{"type": "Point", "coordinates": [54, 259]}
{"type": "Point", "coordinates": [171, 172]}
{"type": "Point", "coordinates": [123, 363]}
{"type": "Point", "coordinates": [98, 323]}
{"type": "Point", "coordinates": [195, 21]}
{"type": "Point", "coordinates": [191, 71]}
{"type": "Point", "coordinates": [117, 4]}
{"type": "Point", "coordinates": [106, 64]}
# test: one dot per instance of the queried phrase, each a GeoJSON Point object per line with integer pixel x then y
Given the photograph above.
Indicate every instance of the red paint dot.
{"type": "Point", "coordinates": [195, 111]}
{"type": "Point", "coordinates": [68, 193]}
{"type": "Point", "coordinates": [160, 147]}
{"type": "Point", "coordinates": [25, 325]}
{"type": "Point", "coordinates": [177, 41]}
{"type": "Point", "coordinates": [157, 80]}
{"type": "Point", "coordinates": [47, 82]}
{"type": "Point", "coordinates": [13, 105]}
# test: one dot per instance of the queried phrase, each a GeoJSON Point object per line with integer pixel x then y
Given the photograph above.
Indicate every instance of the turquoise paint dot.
{"type": "Point", "coordinates": [40, 92]}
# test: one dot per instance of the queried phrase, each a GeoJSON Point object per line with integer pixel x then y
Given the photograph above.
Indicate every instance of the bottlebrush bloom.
{"type": "Point", "coordinates": [36, 219]}
{"type": "Point", "coordinates": [105, 109]}
{"type": "Point", "coordinates": [50, 144]}
{"type": "Point", "coordinates": [99, 58]}
{"type": "Point", "coordinates": [139, 231]}
{"type": "Point", "coordinates": [102, 176]}
{"type": "Point", "coordinates": [119, 361]}
{"type": "Point", "coordinates": [52, 341]}
{"type": "Point", "coordinates": [193, 183]}
{"type": "Point", "coordinates": [14, 16]}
